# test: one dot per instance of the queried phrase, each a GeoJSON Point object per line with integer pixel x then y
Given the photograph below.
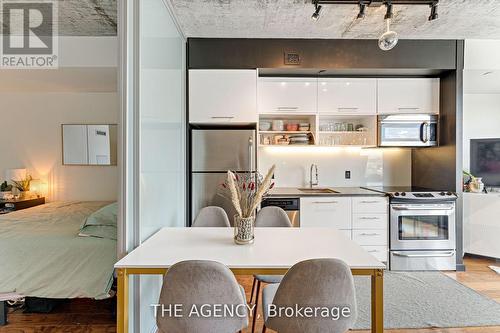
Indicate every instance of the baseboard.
{"type": "Point", "coordinates": [470, 255]}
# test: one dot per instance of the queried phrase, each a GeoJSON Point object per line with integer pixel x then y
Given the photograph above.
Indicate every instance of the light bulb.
{"type": "Point", "coordinates": [389, 38]}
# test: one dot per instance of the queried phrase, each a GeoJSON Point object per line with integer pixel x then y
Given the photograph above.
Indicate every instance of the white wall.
{"type": "Point", "coordinates": [369, 167]}
{"type": "Point", "coordinates": [31, 137]}
{"type": "Point", "coordinates": [481, 54]}
{"type": "Point", "coordinates": [481, 120]}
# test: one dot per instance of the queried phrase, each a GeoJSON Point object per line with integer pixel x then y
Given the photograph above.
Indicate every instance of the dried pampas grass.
{"type": "Point", "coordinates": [247, 190]}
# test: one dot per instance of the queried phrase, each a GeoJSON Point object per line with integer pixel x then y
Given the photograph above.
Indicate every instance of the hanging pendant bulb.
{"type": "Point", "coordinates": [389, 38]}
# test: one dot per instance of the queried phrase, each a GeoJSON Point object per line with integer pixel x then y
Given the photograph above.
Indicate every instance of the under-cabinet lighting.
{"type": "Point", "coordinates": [312, 149]}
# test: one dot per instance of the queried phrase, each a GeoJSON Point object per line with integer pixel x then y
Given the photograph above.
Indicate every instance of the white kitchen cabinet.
{"type": "Point", "coordinates": [481, 224]}
{"type": "Point", "coordinates": [332, 212]}
{"type": "Point", "coordinates": [370, 221]}
{"type": "Point", "coordinates": [408, 95]}
{"type": "Point", "coordinates": [347, 96]}
{"type": "Point", "coordinates": [363, 219]}
{"type": "Point", "coordinates": [287, 95]}
{"type": "Point", "coordinates": [219, 96]}
{"type": "Point", "coordinates": [379, 205]}
{"type": "Point", "coordinates": [379, 252]}
{"type": "Point", "coordinates": [370, 237]}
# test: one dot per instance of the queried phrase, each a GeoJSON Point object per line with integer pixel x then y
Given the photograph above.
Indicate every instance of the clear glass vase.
{"type": "Point", "coordinates": [244, 230]}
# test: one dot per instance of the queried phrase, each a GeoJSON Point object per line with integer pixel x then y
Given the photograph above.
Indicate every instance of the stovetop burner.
{"type": "Point", "coordinates": [414, 193]}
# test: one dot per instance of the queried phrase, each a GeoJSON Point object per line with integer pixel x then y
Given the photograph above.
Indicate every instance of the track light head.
{"type": "Point", "coordinates": [389, 38]}
{"type": "Point", "coordinates": [388, 14]}
{"type": "Point", "coordinates": [317, 9]}
{"type": "Point", "coordinates": [362, 10]}
{"type": "Point", "coordinates": [434, 12]}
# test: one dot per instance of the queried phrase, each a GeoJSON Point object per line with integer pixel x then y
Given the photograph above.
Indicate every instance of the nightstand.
{"type": "Point", "coordinates": [7, 206]}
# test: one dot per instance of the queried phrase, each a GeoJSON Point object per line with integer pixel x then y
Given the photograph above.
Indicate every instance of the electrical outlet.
{"type": "Point", "coordinates": [348, 174]}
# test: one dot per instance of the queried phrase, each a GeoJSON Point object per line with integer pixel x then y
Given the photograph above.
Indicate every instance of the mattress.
{"type": "Point", "coordinates": [41, 254]}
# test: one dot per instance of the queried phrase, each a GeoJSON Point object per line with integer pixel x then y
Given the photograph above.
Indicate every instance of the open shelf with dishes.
{"type": "Point", "coordinates": [347, 130]}
{"type": "Point", "coordinates": [317, 129]}
{"type": "Point", "coordinates": [287, 129]}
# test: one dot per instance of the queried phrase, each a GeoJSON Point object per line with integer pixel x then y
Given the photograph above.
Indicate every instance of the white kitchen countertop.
{"type": "Point", "coordinates": [343, 191]}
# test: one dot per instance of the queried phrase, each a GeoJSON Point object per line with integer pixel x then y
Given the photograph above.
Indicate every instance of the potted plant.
{"type": "Point", "coordinates": [5, 190]}
{"type": "Point", "coordinates": [245, 191]}
{"type": "Point", "coordinates": [472, 183]}
{"type": "Point", "coordinates": [23, 185]}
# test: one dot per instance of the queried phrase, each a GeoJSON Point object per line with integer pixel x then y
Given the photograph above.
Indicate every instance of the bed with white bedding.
{"type": "Point", "coordinates": [45, 253]}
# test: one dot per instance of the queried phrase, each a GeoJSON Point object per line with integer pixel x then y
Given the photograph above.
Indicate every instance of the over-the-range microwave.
{"type": "Point", "coordinates": [408, 130]}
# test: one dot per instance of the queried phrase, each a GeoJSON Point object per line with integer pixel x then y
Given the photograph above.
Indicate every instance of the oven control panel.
{"type": "Point", "coordinates": [424, 195]}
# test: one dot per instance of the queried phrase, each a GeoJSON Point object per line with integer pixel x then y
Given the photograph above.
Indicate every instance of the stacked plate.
{"type": "Point", "coordinates": [299, 139]}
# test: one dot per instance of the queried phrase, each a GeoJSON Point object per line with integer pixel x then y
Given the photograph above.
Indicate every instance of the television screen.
{"type": "Point", "coordinates": [485, 160]}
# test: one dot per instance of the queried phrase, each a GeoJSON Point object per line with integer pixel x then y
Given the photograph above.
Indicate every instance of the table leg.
{"type": "Point", "coordinates": [378, 301]}
{"type": "Point", "coordinates": [122, 303]}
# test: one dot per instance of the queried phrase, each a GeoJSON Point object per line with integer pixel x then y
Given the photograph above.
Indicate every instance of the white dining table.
{"type": "Point", "coordinates": [274, 251]}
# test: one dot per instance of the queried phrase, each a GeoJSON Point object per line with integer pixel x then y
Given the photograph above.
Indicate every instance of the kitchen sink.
{"type": "Point", "coordinates": [317, 190]}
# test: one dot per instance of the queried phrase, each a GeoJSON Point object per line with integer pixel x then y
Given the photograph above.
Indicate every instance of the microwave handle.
{"type": "Point", "coordinates": [424, 132]}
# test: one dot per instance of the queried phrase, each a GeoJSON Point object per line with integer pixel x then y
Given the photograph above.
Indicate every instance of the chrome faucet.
{"type": "Point", "coordinates": [311, 183]}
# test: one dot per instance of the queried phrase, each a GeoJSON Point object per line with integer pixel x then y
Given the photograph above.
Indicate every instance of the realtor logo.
{"type": "Point", "coordinates": [29, 34]}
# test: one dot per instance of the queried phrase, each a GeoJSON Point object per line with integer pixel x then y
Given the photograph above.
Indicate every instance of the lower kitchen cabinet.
{"type": "Point", "coordinates": [363, 219]}
{"type": "Point", "coordinates": [379, 252]}
{"type": "Point", "coordinates": [370, 237]}
{"type": "Point", "coordinates": [369, 221]}
{"type": "Point", "coordinates": [332, 212]}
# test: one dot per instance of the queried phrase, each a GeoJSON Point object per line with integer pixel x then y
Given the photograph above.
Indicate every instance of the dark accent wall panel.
{"type": "Point", "coordinates": [320, 53]}
{"type": "Point", "coordinates": [440, 168]}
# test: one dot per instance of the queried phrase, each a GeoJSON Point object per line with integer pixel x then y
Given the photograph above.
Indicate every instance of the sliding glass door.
{"type": "Point", "coordinates": [154, 65]}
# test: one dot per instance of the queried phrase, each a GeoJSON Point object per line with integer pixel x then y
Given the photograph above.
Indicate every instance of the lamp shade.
{"type": "Point", "coordinates": [15, 174]}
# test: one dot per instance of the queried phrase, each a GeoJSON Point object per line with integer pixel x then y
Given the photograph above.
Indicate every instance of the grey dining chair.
{"type": "Point", "coordinates": [329, 284]}
{"type": "Point", "coordinates": [211, 216]}
{"type": "Point", "coordinates": [270, 216]}
{"type": "Point", "coordinates": [198, 282]}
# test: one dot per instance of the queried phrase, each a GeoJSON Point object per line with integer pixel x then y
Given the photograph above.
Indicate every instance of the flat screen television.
{"type": "Point", "coordinates": [485, 160]}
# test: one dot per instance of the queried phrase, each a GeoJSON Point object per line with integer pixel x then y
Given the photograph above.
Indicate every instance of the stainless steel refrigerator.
{"type": "Point", "coordinates": [215, 149]}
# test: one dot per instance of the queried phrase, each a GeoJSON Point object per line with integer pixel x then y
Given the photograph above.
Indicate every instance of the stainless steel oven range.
{"type": "Point", "coordinates": [422, 229]}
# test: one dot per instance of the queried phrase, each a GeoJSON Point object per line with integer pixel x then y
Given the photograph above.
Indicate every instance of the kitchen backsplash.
{"type": "Point", "coordinates": [368, 167]}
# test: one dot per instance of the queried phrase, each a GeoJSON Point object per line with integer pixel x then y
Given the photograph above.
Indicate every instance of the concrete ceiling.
{"type": "Point", "coordinates": [85, 17]}
{"type": "Point", "coordinates": [458, 19]}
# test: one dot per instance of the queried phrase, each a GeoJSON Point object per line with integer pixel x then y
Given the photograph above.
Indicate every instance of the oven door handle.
{"type": "Point", "coordinates": [439, 254]}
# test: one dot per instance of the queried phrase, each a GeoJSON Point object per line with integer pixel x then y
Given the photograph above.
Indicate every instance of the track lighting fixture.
{"type": "Point", "coordinates": [388, 13]}
{"type": "Point", "coordinates": [317, 9]}
{"type": "Point", "coordinates": [434, 12]}
{"type": "Point", "coordinates": [362, 9]}
{"type": "Point", "coordinates": [389, 38]}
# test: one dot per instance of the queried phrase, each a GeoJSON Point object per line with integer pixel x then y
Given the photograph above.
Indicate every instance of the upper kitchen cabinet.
{"type": "Point", "coordinates": [347, 96]}
{"type": "Point", "coordinates": [287, 95]}
{"type": "Point", "coordinates": [217, 96]}
{"type": "Point", "coordinates": [415, 95]}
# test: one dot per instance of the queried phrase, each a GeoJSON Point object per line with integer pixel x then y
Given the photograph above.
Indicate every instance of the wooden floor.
{"type": "Point", "coordinates": [85, 316]}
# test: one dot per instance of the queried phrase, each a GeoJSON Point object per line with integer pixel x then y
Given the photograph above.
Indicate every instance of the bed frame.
{"type": "Point", "coordinates": [3, 313]}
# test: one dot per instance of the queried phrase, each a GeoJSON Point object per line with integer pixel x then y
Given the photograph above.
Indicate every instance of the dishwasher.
{"type": "Point", "coordinates": [290, 205]}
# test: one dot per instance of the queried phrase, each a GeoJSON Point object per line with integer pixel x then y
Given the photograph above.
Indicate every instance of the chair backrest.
{"type": "Point", "coordinates": [316, 283]}
{"type": "Point", "coordinates": [211, 216]}
{"type": "Point", "coordinates": [272, 216]}
{"type": "Point", "coordinates": [194, 283]}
